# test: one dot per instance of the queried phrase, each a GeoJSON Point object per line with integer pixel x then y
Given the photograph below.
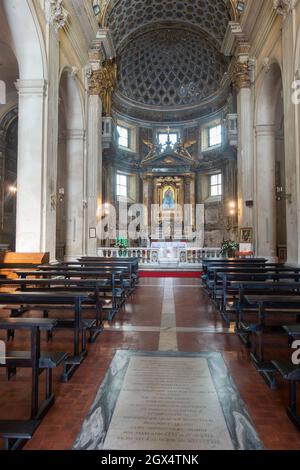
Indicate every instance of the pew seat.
{"type": "Point", "coordinates": [47, 360]}
{"type": "Point", "coordinates": [14, 433]}
{"type": "Point", "coordinates": [293, 331]}
{"type": "Point", "coordinates": [291, 373]}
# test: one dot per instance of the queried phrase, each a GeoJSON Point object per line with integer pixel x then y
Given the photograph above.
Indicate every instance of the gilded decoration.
{"type": "Point", "coordinates": [240, 75]}
{"type": "Point", "coordinates": [103, 83]}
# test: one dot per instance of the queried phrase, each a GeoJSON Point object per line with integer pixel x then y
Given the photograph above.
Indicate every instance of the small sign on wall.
{"type": "Point", "coordinates": [92, 232]}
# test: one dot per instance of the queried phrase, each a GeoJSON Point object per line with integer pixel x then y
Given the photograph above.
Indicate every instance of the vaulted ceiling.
{"type": "Point", "coordinates": [168, 54]}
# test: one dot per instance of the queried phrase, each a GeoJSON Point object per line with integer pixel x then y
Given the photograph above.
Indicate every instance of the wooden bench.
{"type": "Point", "coordinates": [266, 305]}
{"type": "Point", "coordinates": [291, 373]}
{"type": "Point", "coordinates": [9, 260]}
{"type": "Point", "coordinates": [61, 285]}
{"type": "Point", "coordinates": [117, 294]}
{"type": "Point", "coordinates": [79, 326]}
{"type": "Point", "coordinates": [16, 433]}
{"type": "Point", "coordinates": [225, 279]}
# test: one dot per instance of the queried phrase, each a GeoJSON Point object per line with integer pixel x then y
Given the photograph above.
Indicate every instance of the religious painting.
{"type": "Point", "coordinates": [246, 235]}
{"type": "Point", "coordinates": [168, 198]}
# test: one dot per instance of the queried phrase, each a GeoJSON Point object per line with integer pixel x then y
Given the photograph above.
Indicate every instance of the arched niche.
{"type": "Point", "coordinates": [270, 166]}
{"type": "Point", "coordinates": [70, 173]}
{"type": "Point", "coordinates": [8, 176]}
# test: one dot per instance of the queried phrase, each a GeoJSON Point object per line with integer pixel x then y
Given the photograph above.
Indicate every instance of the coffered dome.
{"type": "Point", "coordinates": [169, 57]}
{"type": "Point", "coordinates": [125, 17]}
{"type": "Point", "coordinates": [170, 67]}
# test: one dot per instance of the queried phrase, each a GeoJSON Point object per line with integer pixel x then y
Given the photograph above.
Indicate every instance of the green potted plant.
{"type": "Point", "coordinates": [229, 248]}
{"type": "Point", "coordinates": [122, 244]}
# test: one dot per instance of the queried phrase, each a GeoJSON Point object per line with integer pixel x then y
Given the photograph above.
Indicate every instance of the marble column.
{"type": "Point", "coordinates": [188, 212]}
{"type": "Point", "coordinates": [245, 155]}
{"type": "Point", "coordinates": [292, 136]}
{"type": "Point", "coordinates": [148, 198]}
{"type": "Point", "coordinates": [75, 193]}
{"type": "Point", "coordinates": [30, 200]}
{"type": "Point", "coordinates": [265, 193]}
{"type": "Point", "coordinates": [199, 198]}
{"type": "Point", "coordinates": [111, 185]}
{"type": "Point", "coordinates": [51, 198]}
{"type": "Point", "coordinates": [94, 170]}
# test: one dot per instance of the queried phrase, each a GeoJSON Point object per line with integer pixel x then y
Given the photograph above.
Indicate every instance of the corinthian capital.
{"type": "Point", "coordinates": [283, 7]}
{"type": "Point", "coordinates": [241, 75]}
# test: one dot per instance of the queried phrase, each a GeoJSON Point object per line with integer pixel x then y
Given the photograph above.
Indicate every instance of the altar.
{"type": "Point", "coordinates": [169, 251]}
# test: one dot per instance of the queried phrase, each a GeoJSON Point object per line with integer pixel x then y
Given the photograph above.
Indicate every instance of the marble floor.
{"type": "Point", "coordinates": [163, 315]}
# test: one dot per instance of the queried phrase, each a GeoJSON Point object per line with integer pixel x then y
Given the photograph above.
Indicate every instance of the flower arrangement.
{"type": "Point", "coordinates": [229, 248]}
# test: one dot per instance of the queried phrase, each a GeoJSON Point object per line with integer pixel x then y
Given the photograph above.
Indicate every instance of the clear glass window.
{"type": "Point", "coordinates": [216, 185]}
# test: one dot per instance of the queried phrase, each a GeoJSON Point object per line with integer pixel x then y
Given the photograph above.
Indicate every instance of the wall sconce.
{"type": "Point", "coordinates": [12, 190]}
{"type": "Point", "coordinates": [282, 195]}
{"type": "Point", "coordinates": [106, 210]}
{"type": "Point", "coordinates": [232, 214]}
{"type": "Point", "coordinates": [85, 204]}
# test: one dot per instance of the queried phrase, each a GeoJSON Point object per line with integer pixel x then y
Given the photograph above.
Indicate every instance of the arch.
{"type": "Point", "coordinates": [270, 87]}
{"type": "Point", "coordinates": [8, 175]}
{"type": "Point", "coordinates": [71, 98]}
{"type": "Point", "coordinates": [26, 38]}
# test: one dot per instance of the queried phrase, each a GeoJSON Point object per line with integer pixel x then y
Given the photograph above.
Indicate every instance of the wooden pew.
{"type": "Point", "coordinates": [291, 373]}
{"type": "Point", "coordinates": [223, 279]}
{"type": "Point", "coordinates": [229, 262]}
{"type": "Point", "coordinates": [243, 288]}
{"type": "Point", "coordinates": [16, 433]}
{"type": "Point", "coordinates": [127, 282]}
{"type": "Point", "coordinates": [50, 298]}
{"type": "Point", "coordinates": [10, 260]}
{"type": "Point", "coordinates": [211, 277]}
{"type": "Point", "coordinates": [268, 305]}
{"type": "Point", "coordinates": [61, 285]}
{"type": "Point", "coordinates": [111, 275]}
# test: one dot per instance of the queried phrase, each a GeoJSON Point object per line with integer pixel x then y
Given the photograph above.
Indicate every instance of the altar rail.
{"type": "Point", "coordinates": [151, 255]}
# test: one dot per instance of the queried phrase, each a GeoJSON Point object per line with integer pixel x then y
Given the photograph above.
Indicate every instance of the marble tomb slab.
{"type": "Point", "coordinates": [168, 401]}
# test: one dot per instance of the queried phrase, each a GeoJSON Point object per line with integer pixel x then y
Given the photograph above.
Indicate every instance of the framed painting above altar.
{"type": "Point", "coordinates": [168, 200]}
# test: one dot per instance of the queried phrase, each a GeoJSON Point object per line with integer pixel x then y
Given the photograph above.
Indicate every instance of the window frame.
{"type": "Point", "coordinates": [123, 128]}
{"type": "Point", "coordinates": [119, 185]}
{"type": "Point", "coordinates": [209, 130]}
{"type": "Point", "coordinates": [167, 134]}
{"type": "Point", "coordinates": [218, 184]}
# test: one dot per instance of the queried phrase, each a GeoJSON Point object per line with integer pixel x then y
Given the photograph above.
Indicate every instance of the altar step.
{"type": "Point", "coordinates": [181, 267]}
{"type": "Point", "coordinates": [179, 273]}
